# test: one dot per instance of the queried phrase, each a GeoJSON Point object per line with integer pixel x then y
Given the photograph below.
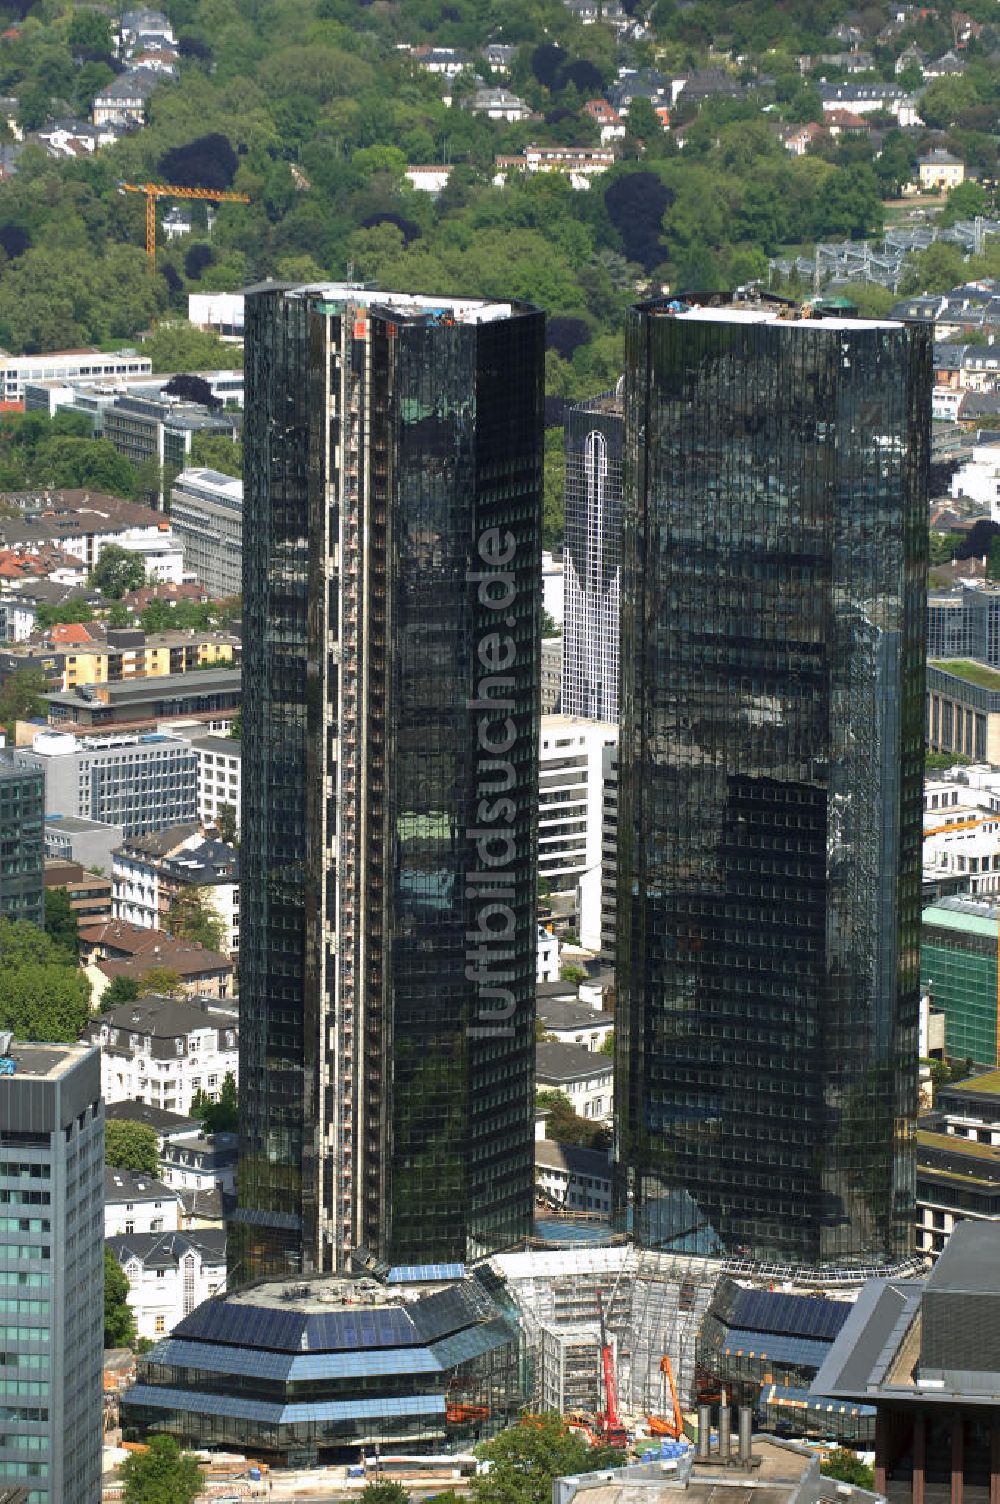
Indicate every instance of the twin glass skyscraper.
{"type": "Point", "coordinates": [770, 770]}
{"type": "Point", "coordinates": [772, 636]}
{"type": "Point", "coordinates": [392, 563]}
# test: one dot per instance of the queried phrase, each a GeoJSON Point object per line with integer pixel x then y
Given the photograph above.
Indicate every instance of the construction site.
{"type": "Point", "coordinates": [626, 1343]}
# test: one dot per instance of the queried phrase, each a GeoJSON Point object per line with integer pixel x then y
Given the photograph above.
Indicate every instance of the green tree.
{"type": "Point", "coordinates": [180, 347]}
{"type": "Point", "coordinates": [226, 822]}
{"type": "Point", "coordinates": [119, 1322]}
{"type": "Point", "coordinates": [236, 729]}
{"type": "Point", "coordinates": [217, 451]}
{"type": "Point", "coordinates": [384, 1493]}
{"type": "Point", "coordinates": [162, 1475]}
{"type": "Point", "coordinates": [69, 611]}
{"type": "Point", "coordinates": [160, 981]}
{"type": "Point", "coordinates": [553, 485]}
{"type": "Point", "coordinates": [61, 924]}
{"type": "Point", "coordinates": [526, 1458]}
{"type": "Point", "coordinates": [566, 1126]}
{"type": "Point", "coordinates": [43, 994]}
{"type": "Point", "coordinates": [848, 1468]}
{"type": "Point", "coordinates": [116, 571]}
{"type": "Point", "coordinates": [570, 973]}
{"type": "Point", "coordinates": [993, 562]}
{"type": "Point", "coordinates": [221, 1116]}
{"type": "Point", "coordinates": [90, 464]}
{"type": "Point", "coordinates": [21, 695]}
{"type": "Point", "coordinates": [119, 990]}
{"type": "Point", "coordinates": [131, 1146]}
{"type": "Point", "coordinates": [608, 1047]}
{"type": "Point", "coordinates": [191, 916]}
{"type": "Point", "coordinates": [965, 201]}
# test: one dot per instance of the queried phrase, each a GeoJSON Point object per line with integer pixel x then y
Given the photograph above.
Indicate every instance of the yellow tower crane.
{"type": "Point", "coordinates": [154, 191]}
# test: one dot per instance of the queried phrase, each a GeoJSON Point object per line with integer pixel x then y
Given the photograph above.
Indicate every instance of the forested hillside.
{"type": "Point", "coordinates": [313, 109]}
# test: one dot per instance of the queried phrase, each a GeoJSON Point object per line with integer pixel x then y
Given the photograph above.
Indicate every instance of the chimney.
{"type": "Point", "coordinates": [704, 1432]}
{"type": "Point", "coordinates": [746, 1433]}
{"type": "Point", "coordinates": [725, 1422]}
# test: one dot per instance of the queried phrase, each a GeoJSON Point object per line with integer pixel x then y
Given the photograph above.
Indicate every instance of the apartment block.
{"type": "Point", "coordinates": [571, 812]}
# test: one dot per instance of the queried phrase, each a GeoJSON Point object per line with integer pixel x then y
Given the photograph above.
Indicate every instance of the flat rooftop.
{"type": "Point", "coordinates": [967, 669]}
{"type": "Point", "coordinates": [462, 310]}
{"type": "Point", "coordinates": [733, 309]}
{"type": "Point", "coordinates": [46, 1062]}
{"type": "Point", "coordinates": [328, 1292]}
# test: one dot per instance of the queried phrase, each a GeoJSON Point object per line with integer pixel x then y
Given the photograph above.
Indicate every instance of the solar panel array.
{"type": "Point", "coordinates": [244, 1325]}
{"type": "Point", "coordinates": [407, 1274]}
{"type": "Point", "coordinates": [796, 1315]}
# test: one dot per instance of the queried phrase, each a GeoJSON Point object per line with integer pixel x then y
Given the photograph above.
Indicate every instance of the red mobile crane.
{"type": "Point", "coordinates": [610, 1430]}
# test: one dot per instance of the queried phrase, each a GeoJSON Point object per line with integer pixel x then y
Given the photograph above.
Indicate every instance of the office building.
{"type": "Point", "coordinates": [391, 610]}
{"type": "Point", "coordinates": [206, 514]}
{"type": "Point", "coordinates": [51, 1263]}
{"type": "Point", "coordinates": [22, 811]}
{"type": "Point", "coordinates": [209, 698]}
{"type": "Point", "coordinates": [609, 855]}
{"type": "Point", "coordinates": [220, 764]}
{"type": "Point", "coordinates": [70, 838]}
{"type": "Point", "coordinates": [551, 674]}
{"type": "Point", "coordinates": [423, 1358]}
{"type": "Point", "coordinates": [595, 432]}
{"type": "Point", "coordinates": [770, 770]}
{"type": "Point", "coordinates": [89, 893]}
{"type": "Point", "coordinates": [15, 370]}
{"type": "Point", "coordinates": [926, 1354]}
{"type": "Point", "coordinates": [965, 622]}
{"type": "Point", "coordinates": [958, 968]}
{"type": "Point", "coordinates": [963, 709]}
{"type": "Point", "coordinates": [141, 783]}
{"type": "Point", "coordinates": [570, 814]}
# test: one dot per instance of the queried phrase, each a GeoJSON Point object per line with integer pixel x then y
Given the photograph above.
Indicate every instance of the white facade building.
{"type": "Point", "coordinates": [570, 813]}
{"type": "Point", "coordinates": [141, 783]}
{"type": "Point", "coordinates": [586, 1077]}
{"type": "Point", "coordinates": [168, 1274]}
{"type": "Point", "coordinates": [150, 872]}
{"type": "Point", "coordinates": [164, 1053]}
{"type": "Point", "coordinates": [573, 1179]}
{"type": "Point", "coordinates": [547, 968]}
{"type": "Point", "coordinates": [222, 312]}
{"type": "Point", "coordinates": [15, 370]}
{"type": "Point", "coordinates": [136, 1203]}
{"type": "Point", "coordinates": [220, 761]}
{"type": "Point", "coordinates": [979, 478]}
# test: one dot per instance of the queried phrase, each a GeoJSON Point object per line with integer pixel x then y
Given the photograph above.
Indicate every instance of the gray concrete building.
{"type": "Point", "coordinates": [75, 839]}
{"type": "Point", "coordinates": [206, 513]}
{"type": "Point", "coordinates": [21, 857]}
{"type": "Point", "coordinates": [141, 783]}
{"type": "Point", "coordinates": [51, 1262]}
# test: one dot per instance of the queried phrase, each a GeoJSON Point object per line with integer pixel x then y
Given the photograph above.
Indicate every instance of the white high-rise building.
{"type": "Point", "coordinates": [571, 813]}
{"type": "Point", "coordinates": [592, 559]}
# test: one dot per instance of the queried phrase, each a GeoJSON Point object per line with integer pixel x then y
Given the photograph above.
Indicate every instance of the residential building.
{"type": "Point", "coordinates": [939, 169]}
{"type": "Point", "coordinates": [963, 709]}
{"type": "Point", "coordinates": [570, 814]}
{"type": "Point", "coordinates": [63, 365]}
{"type": "Point", "coordinates": [136, 1203]}
{"type": "Point", "coordinates": [200, 1161]}
{"type": "Point", "coordinates": [51, 1265]}
{"type": "Point", "coordinates": [204, 701]}
{"type": "Point", "coordinates": [70, 838]}
{"type": "Point", "coordinates": [169, 1274]}
{"type": "Point", "coordinates": [926, 1354]}
{"type": "Point", "coordinates": [498, 104]}
{"type": "Point", "coordinates": [594, 445]}
{"type": "Point", "coordinates": [22, 813]}
{"type": "Point", "coordinates": [418, 1357]}
{"type": "Point", "coordinates": [391, 578]}
{"type": "Point", "coordinates": [220, 760]}
{"type": "Point", "coordinates": [573, 1022]}
{"type": "Point", "coordinates": [585, 1076]}
{"type": "Point", "coordinates": [609, 856]}
{"type": "Point", "coordinates": [611, 124]}
{"type": "Point", "coordinates": [547, 958]}
{"type": "Point", "coordinates": [979, 478]}
{"type": "Point", "coordinates": [165, 1053]}
{"type": "Point", "coordinates": [141, 783]}
{"type": "Point", "coordinates": [429, 177]}
{"type": "Point", "coordinates": [573, 1179]}
{"type": "Point", "coordinates": [152, 872]}
{"type": "Point", "coordinates": [579, 163]}
{"type": "Point", "coordinates": [83, 523]}
{"type": "Point", "coordinates": [206, 514]}
{"type": "Point", "coordinates": [87, 658]}
{"type": "Point", "coordinates": [958, 968]}
{"type": "Point", "coordinates": [124, 100]}
{"type": "Point", "coordinates": [868, 99]}
{"type": "Point", "coordinates": [115, 949]}
{"type": "Point", "coordinates": [89, 894]}
{"type": "Point", "coordinates": [770, 772]}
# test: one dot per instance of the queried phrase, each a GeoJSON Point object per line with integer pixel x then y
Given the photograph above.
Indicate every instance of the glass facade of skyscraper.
{"type": "Point", "coordinates": [770, 781]}
{"type": "Point", "coordinates": [593, 557]}
{"type": "Point", "coordinates": [390, 726]}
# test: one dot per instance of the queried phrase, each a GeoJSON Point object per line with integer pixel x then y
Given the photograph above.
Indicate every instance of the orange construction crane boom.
{"type": "Point", "coordinates": [154, 191]}
{"type": "Point", "coordinates": [658, 1424]}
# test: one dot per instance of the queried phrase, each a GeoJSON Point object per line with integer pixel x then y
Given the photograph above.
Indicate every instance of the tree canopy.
{"type": "Point", "coordinates": [117, 570]}
{"type": "Point", "coordinates": [131, 1146]}
{"type": "Point", "coordinates": [528, 1457]}
{"type": "Point", "coordinates": [43, 994]}
{"type": "Point", "coordinates": [192, 916]}
{"type": "Point", "coordinates": [163, 1474]}
{"type": "Point", "coordinates": [119, 1322]}
{"type": "Point", "coordinates": [61, 923]}
{"type": "Point", "coordinates": [222, 1115]}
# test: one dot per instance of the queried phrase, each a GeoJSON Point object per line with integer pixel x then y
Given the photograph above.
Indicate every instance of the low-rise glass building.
{"type": "Point", "coordinates": [421, 1357]}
